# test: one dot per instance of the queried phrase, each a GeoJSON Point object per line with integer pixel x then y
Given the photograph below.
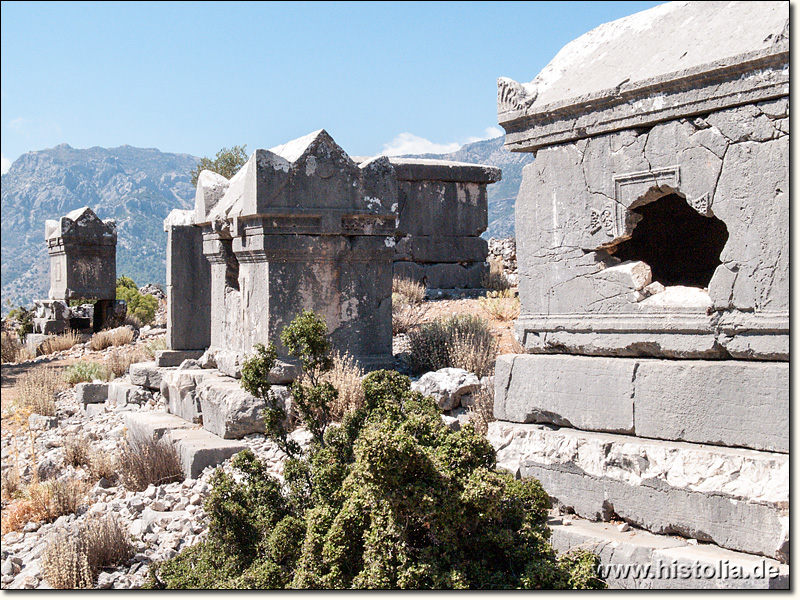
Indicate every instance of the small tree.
{"type": "Point", "coordinates": [227, 163]}
{"type": "Point", "coordinates": [141, 306]}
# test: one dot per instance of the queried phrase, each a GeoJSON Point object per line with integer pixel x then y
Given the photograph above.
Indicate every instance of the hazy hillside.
{"type": "Point", "coordinates": [136, 186]}
{"type": "Point", "coordinates": [503, 194]}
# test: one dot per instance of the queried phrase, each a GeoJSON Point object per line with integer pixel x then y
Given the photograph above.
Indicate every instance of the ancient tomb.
{"type": "Point", "coordinates": [83, 264]}
{"type": "Point", "coordinates": [441, 213]}
{"type": "Point", "coordinates": [304, 226]}
{"type": "Point", "coordinates": [653, 249]}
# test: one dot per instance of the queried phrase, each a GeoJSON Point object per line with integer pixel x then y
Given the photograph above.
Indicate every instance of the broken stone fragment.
{"type": "Point", "coordinates": [447, 386]}
{"type": "Point", "coordinates": [632, 274]}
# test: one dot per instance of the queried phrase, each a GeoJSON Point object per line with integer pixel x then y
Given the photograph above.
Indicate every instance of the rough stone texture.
{"type": "Point", "coordinates": [442, 209]}
{"type": "Point", "coordinates": [179, 387]}
{"type": "Point", "coordinates": [121, 394]}
{"type": "Point", "coordinates": [302, 226]}
{"type": "Point", "coordinates": [153, 425]}
{"type": "Point", "coordinates": [447, 386]}
{"type": "Point", "coordinates": [198, 449]}
{"type": "Point", "coordinates": [228, 410]}
{"type": "Point", "coordinates": [737, 499]}
{"type": "Point", "coordinates": [147, 374]}
{"type": "Point", "coordinates": [173, 358]}
{"type": "Point", "coordinates": [91, 393]}
{"type": "Point", "coordinates": [677, 59]}
{"type": "Point", "coordinates": [663, 560]}
{"type": "Point", "coordinates": [730, 403]}
{"type": "Point", "coordinates": [188, 284]}
{"type": "Point", "coordinates": [83, 252]}
{"type": "Point", "coordinates": [572, 213]}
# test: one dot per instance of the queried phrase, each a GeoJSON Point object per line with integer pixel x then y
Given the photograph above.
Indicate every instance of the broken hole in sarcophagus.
{"type": "Point", "coordinates": [681, 246]}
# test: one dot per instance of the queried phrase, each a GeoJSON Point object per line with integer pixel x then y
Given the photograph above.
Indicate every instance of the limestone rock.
{"type": "Point", "coordinates": [447, 385]}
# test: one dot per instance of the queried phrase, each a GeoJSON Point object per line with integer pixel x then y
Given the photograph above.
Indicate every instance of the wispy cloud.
{"type": "Point", "coordinates": [31, 128]}
{"type": "Point", "coordinates": [408, 143]}
{"type": "Point", "coordinates": [5, 164]}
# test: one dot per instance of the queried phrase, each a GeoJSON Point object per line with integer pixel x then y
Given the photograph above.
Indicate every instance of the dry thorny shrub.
{"type": "Point", "coordinates": [118, 361]}
{"type": "Point", "coordinates": [57, 343]}
{"type": "Point", "coordinates": [407, 308]}
{"type": "Point", "coordinates": [462, 341]}
{"type": "Point", "coordinates": [9, 347]}
{"type": "Point", "coordinates": [76, 450]}
{"type": "Point", "coordinates": [43, 502]}
{"type": "Point", "coordinates": [102, 464]}
{"type": "Point", "coordinates": [10, 485]}
{"type": "Point", "coordinates": [474, 352]}
{"type": "Point", "coordinates": [345, 376]}
{"type": "Point", "coordinates": [495, 279]}
{"type": "Point", "coordinates": [502, 308]}
{"type": "Point", "coordinates": [143, 461]}
{"type": "Point", "coordinates": [481, 412]}
{"type": "Point", "coordinates": [73, 560]}
{"type": "Point", "coordinates": [111, 337]}
{"type": "Point", "coordinates": [410, 289]}
{"type": "Point", "coordinates": [36, 390]}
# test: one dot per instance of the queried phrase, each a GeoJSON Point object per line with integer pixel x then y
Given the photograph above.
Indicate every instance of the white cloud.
{"type": "Point", "coordinates": [408, 143]}
{"type": "Point", "coordinates": [5, 164]}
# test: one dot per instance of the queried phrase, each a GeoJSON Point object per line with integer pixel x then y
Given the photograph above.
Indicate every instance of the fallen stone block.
{"type": "Point", "coordinates": [121, 394]}
{"type": "Point", "coordinates": [91, 393]}
{"type": "Point", "coordinates": [147, 374]}
{"type": "Point", "coordinates": [153, 424]}
{"type": "Point", "coordinates": [198, 449]}
{"type": "Point", "coordinates": [447, 386]}
{"type": "Point", "coordinates": [36, 421]}
{"type": "Point", "coordinates": [93, 410]}
{"type": "Point", "coordinates": [735, 498]}
{"type": "Point", "coordinates": [229, 411]}
{"type": "Point", "coordinates": [179, 388]}
{"type": "Point", "coordinates": [173, 358]}
{"type": "Point", "coordinates": [637, 559]}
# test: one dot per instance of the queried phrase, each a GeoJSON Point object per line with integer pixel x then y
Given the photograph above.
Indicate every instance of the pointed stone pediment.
{"type": "Point", "coordinates": [82, 225]}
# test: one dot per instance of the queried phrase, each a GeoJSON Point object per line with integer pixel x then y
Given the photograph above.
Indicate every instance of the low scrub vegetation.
{"type": "Point", "coordinates": [9, 347]}
{"type": "Point", "coordinates": [119, 361]}
{"type": "Point", "coordinates": [144, 461]}
{"type": "Point", "coordinates": [495, 279]}
{"type": "Point", "coordinates": [153, 346]}
{"type": "Point", "coordinates": [501, 305]}
{"type": "Point", "coordinates": [43, 502]}
{"type": "Point", "coordinates": [390, 499]}
{"type": "Point", "coordinates": [86, 371]}
{"type": "Point", "coordinates": [412, 290]}
{"type": "Point", "coordinates": [73, 560]}
{"type": "Point", "coordinates": [111, 337]}
{"type": "Point", "coordinates": [462, 341]}
{"type": "Point", "coordinates": [76, 450]}
{"type": "Point", "coordinates": [57, 343]}
{"type": "Point", "coordinates": [407, 304]}
{"type": "Point", "coordinates": [344, 375]}
{"type": "Point", "coordinates": [36, 390]}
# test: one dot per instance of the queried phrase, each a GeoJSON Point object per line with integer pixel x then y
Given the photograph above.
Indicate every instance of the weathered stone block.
{"type": "Point", "coordinates": [447, 386]}
{"type": "Point", "coordinates": [435, 249]}
{"type": "Point", "coordinates": [173, 358]}
{"type": "Point", "coordinates": [735, 498]}
{"type": "Point", "coordinates": [147, 374]}
{"type": "Point", "coordinates": [122, 394]}
{"type": "Point", "coordinates": [153, 424]}
{"type": "Point", "coordinates": [91, 393]}
{"type": "Point", "coordinates": [198, 449]}
{"type": "Point", "coordinates": [574, 391]}
{"type": "Point", "coordinates": [228, 410]}
{"type": "Point", "coordinates": [179, 387]}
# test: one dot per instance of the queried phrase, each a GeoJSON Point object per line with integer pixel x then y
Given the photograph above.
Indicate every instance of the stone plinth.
{"type": "Point", "coordinates": [442, 210]}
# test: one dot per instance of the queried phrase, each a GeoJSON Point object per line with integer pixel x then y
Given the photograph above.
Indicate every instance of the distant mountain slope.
{"type": "Point", "coordinates": [503, 194]}
{"type": "Point", "coordinates": [136, 186]}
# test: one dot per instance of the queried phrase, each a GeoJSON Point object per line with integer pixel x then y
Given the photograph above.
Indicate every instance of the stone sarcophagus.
{"type": "Point", "coordinates": [442, 211]}
{"type": "Point", "coordinates": [301, 226]}
{"type": "Point", "coordinates": [653, 253]}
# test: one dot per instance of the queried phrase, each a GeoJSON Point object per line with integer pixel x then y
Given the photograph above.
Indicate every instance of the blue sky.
{"type": "Point", "coordinates": [193, 77]}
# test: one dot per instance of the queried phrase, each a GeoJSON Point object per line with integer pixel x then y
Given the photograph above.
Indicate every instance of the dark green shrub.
{"type": "Point", "coordinates": [24, 318]}
{"type": "Point", "coordinates": [140, 306]}
{"type": "Point", "coordinates": [391, 498]}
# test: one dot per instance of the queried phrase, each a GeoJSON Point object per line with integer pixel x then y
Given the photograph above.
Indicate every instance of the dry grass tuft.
{"type": "Point", "coordinates": [501, 308]}
{"type": "Point", "coordinates": [345, 376]}
{"type": "Point", "coordinates": [406, 315]}
{"type": "Point", "coordinates": [118, 361]}
{"type": "Point", "coordinates": [462, 341]}
{"type": "Point", "coordinates": [10, 485]}
{"type": "Point", "coordinates": [102, 464]}
{"type": "Point", "coordinates": [481, 413]}
{"type": "Point", "coordinates": [16, 515]}
{"type": "Point", "coordinates": [143, 461]}
{"type": "Point", "coordinates": [496, 279]}
{"type": "Point", "coordinates": [57, 343]}
{"type": "Point", "coordinates": [153, 346]}
{"type": "Point", "coordinates": [111, 337]}
{"type": "Point", "coordinates": [410, 289]}
{"type": "Point", "coordinates": [36, 390]}
{"type": "Point", "coordinates": [73, 560]}
{"type": "Point", "coordinates": [9, 347]}
{"type": "Point", "coordinates": [65, 563]}
{"type": "Point", "coordinates": [76, 450]}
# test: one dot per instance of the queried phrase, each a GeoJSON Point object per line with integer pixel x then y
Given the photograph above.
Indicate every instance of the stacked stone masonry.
{"type": "Point", "coordinates": [653, 259]}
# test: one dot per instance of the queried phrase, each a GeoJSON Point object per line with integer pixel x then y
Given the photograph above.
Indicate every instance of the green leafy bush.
{"type": "Point", "coordinates": [141, 306]}
{"type": "Point", "coordinates": [86, 371]}
{"type": "Point", "coordinates": [463, 341]}
{"type": "Point", "coordinates": [24, 318]}
{"type": "Point", "coordinates": [391, 498]}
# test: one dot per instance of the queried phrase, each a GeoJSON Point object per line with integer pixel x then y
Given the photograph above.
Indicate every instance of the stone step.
{"type": "Point", "coordinates": [173, 358]}
{"type": "Point", "coordinates": [735, 498]}
{"type": "Point", "coordinates": [637, 559]}
{"type": "Point", "coordinates": [121, 393]}
{"type": "Point", "coordinates": [153, 424]}
{"type": "Point", "coordinates": [198, 449]}
{"type": "Point", "coordinates": [148, 374]}
{"type": "Point", "coordinates": [732, 403]}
